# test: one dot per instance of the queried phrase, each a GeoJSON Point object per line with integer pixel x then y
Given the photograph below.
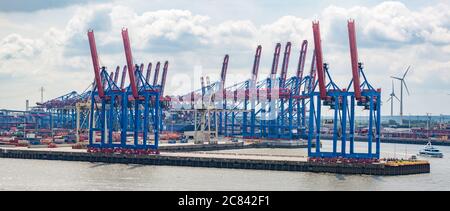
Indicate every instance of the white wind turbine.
{"type": "Point", "coordinates": [391, 98]}
{"type": "Point", "coordinates": [402, 83]}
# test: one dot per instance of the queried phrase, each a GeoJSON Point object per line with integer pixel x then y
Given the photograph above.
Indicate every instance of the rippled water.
{"type": "Point", "coordinates": [18, 174]}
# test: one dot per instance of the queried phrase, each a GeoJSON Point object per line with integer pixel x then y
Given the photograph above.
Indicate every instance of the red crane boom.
{"type": "Point", "coordinates": [95, 64]}
{"type": "Point", "coordinates": [149, 71]}
{"type": "Point", "coordinates": [124, 74]}
{"type": "Point", "coordinates": [141, 69]}
{"type": "Point", "coordinates": [301, 60]}
{"type": "Point", "coordinates": [202, 81]}
{"type": "Point", "coordinates": [285, 65]}
{"type": "Point", "coordinates": [312, 73]}
{"type": "Point", "coordinates": [255, 69]}
{"type": "Point", "coordinates": [276, 58]}
{"type": "Point", "coordinates": [111, 75]}
{"type": "Point", "coordinates": [319, 60]}
{"type": "Point", "coordinates": [103, 77]}
{"type": "Point", "coordinates": [223, 73]}
{"type": "Point", "coordinates": [354, 58]}
{"type": "Point", "coordinates": [129, 56]}
{"type": "Point", "coordinates": [116, 75]}
{"type": "Point", "coordinates": [155, 78]}
{"type": "Point", "coordinates": [223, 76]}
{"type": "Point", "coordinates": [164, 76]}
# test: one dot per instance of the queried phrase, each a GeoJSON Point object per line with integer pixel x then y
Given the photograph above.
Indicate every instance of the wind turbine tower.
{"type": "Point", "coordinates": [42, 94]}
{"type": "Point", "coordinates": [391, 98]}
{"type": "Point", "coordinates": [402, 83]}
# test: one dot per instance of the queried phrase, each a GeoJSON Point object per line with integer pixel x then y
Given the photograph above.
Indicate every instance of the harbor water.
{"type": "Point", "coordinates": [17, 174]}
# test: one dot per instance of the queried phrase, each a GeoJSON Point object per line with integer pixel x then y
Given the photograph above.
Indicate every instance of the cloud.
{"type": "Point", "coordinates": [162, 31]}
{"type": "Point", "coordinates": [18, 55]}
{"type": "Point", "coordinates": [176, 29]}
{"type": "Point", "coordinates": [234, 32]}
{"type": "Point", "coordinates": [30, 6]}
{"type": "Point", "coordinates": [391, 24]}
{"type": "Point", "coordinates": [287, 28]}
{"type": "Point", "coordinates": [14, 46]}
{"type": "Point", "coordinates": [74, 35]}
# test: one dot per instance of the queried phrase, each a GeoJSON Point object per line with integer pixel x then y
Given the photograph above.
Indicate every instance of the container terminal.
{"type": "Point", "coordinates": [138, 123]}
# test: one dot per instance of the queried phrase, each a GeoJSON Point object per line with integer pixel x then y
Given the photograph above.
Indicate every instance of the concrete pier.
{"type": "Point", "coordinates": [398, 140]}
{"type": "Point", "coordinates": [227, 145]}
{"type": "Point", "coordinates": [220, 160]}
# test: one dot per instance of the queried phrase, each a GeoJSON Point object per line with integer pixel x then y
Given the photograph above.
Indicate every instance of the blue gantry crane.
{"type": "Point", "coordinates": [117, 111]}
{"type": "Point", "coordinates": [342, 102]}
{"type": "Point", "coordinates": [291, 108]}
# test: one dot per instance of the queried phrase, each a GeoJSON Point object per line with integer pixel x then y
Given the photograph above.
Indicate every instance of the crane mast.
{"type": "Point", "coordinates": [149, 71]}
{"type": "Point", "coordinates": [124, 75]}
{"type": "Point", "coordinates": [285, 65]}
{"type": "Point", "coordinates": [312, 73]}
{"type": "Point", "coordinates": [129, 57]}
{"type": "Point", "coordinates": [116, 75]}
{"type": "Point", "coordinates": [95, 64]}
{"type": "Point", "coordinates": [301, 61]}
{"type": "Point", "coordinates": [255, 69]}
{"type": "Point", "coordinates": [319, 60]}
{"type": "Point", "coordinates": [223, 76]}
{"type": "Point", "coordinates": [354, 58]}
{"type": "Point", "coordinates": [223, 73]}
{"type": "Point", "coordinates": [155, 77]}
{"type": "Point", "coordinates": [163, 79]}
{"type": "Point", "coordinates": [276, 58]}
{"type": "Point", "coordinates": [141, 69]}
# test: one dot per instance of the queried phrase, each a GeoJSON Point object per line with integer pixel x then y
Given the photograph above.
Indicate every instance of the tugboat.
{"type": "Point", "coordinates": [431, 151]}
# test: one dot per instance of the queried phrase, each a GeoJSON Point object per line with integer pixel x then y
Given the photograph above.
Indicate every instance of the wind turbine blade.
{"type": "Point", "coordinates": [389, 100]}
{"type": "Point", "coordinates": [397, 98]}
{"type": "Point", "coordinates": [404, 82]}
{"type": "Point", "coordinates": [404, 75]}
{"type": "Point", "coordinates": [396, 78]}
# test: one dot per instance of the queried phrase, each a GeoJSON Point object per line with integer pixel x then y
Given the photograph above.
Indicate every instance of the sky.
{"type": "Point", "coordinates": [44, 43]}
